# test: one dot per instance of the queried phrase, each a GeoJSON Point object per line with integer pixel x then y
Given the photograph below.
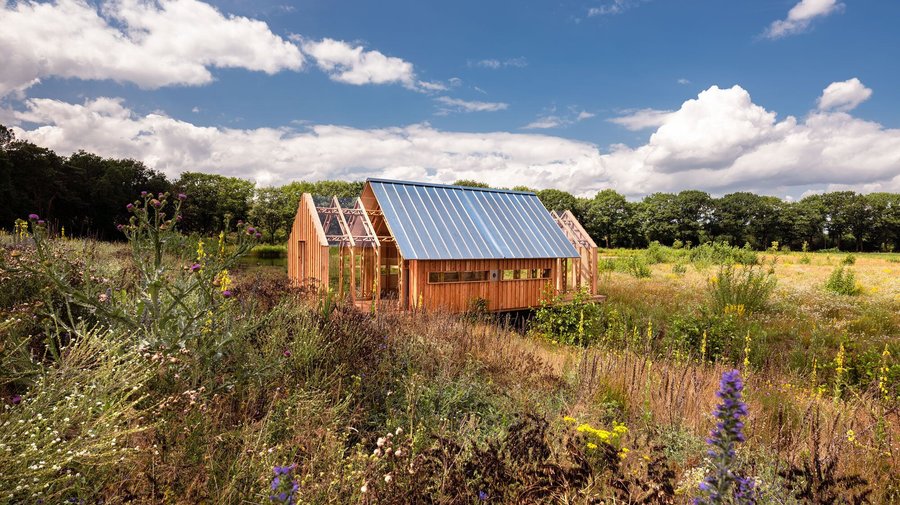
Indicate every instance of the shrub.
{"type": "Point", "coordinates": [679, 268]}
{"type": "Point", "coordinates": [574, 322]}
{"type": "Point", "coordinates": [849, 259]}
{"type": "Point", "coordinates": [720, 253]}
{"type": "Point", "coordinates": [843, 282]}
{"type": "Point", "coordinates": [745, 289]}
{"type": "Point", "coordinates": [655, 253]}
{"type": "Point", "coordinates": [266, 251]}
{"type": "Point", "coordinates": [637, 266]}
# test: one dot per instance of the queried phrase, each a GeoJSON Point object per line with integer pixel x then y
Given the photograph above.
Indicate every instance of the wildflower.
{"type": "Point", "coordinates": [120, 227]}
{"type": "Point", "coordinates": [569, 419]}
{"type": "Point", "coordinates": [380, 442]}
{"type": "Point", "coordinates": [33, 217]}
{"type": "Point", "coordinates": [364, 488]}
{"type": "Point", "coordinates": [182, 196]}
{"type": "Point", "coordinates": [195, 267]}
{"type": "Point", "coordinates": [399, 430]}
{"type": "Point", "coordinates": [287, 353]}
{"type": "Point", "coordinates": [251, 230]}
{"type": "Point", "coordinates": [482, 495]}
{"type": "Point", "coordinates": [41, 222]}
{"type": "Point", "coordinates": [883, 373]}
{"type": "Point", "coordinates": [851, 436]}
{"type": "Point", "coordinates": [16, 399]}
{"type": "Point", "coordinates": [724, 484]}
{"type": "Point", "coordinates": [284, 488]}
{"type": "Point", "coordinates": [143, 193]}
{"type": "Point", "coordinates": [388, 479]}
{"type": "Point", "coordinates": [226, 293]}
{"type": "Point", "coordinates": [130, 207]}
{"type": "Point", "coordinates": [258, 235]}
{"type": "Point", "coordinates": [156, 203]}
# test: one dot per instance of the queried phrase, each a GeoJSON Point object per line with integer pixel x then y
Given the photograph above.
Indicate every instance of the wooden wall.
{"type": "Point", "coordinates": [307, 249]}
{"type": "Point", "coordinates": [500, 294]}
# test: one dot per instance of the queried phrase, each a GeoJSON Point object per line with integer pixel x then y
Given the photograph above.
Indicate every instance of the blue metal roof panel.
{"type": "Point", "coordinates": [440, 222]}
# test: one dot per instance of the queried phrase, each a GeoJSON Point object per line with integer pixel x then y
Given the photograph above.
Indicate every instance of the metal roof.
{"type": "Point", "coordinates": [440, 222]}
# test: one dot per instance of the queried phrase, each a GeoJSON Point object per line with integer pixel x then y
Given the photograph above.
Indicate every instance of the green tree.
{"type": "Point", "coordinates": [608, 218]}
{"type": "Point", "coordinates": [885, 230]}
{"type": "Point", "coordinates": [273, 211]}
{"type": "Point", "coordinates": [212, 197]}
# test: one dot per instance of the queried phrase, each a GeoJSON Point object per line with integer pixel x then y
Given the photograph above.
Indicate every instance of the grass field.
{"type": "Point", "coordinates": [203, 379]}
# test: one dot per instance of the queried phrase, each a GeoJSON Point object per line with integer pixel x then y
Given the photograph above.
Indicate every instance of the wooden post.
{"type": "Point", "coordinates": [341, 274]}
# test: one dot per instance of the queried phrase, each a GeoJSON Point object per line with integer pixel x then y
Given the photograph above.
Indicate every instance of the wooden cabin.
{"type": "Point", "coordinates": [439, 247]}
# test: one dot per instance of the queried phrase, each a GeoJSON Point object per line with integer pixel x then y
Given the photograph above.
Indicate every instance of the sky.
{"type": "Point", "coordinates": [780, 97]}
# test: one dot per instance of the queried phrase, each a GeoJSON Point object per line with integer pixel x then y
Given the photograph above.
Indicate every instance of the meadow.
{"type": "Point", "coordinates": [167, 369]}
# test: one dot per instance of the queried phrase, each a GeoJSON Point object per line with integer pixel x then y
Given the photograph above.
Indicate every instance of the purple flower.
{"type": "Point", "coordinates": [195, 267]}
{"type": "Point", "coordinates": [161, 196]}
{"type": "Point", "coordinates": [724, 480]}
{"type": "Point", "coordinates": [40, 221]}
{"type": "Point", "coordinates": [120, 227]}
{"type": "Point", "coordinates": [143, 193]}
{"type": "Point", "coordinates": [287, 353]}
{"type": "Point", "coordinates": [33, 217]}
{"type": "Point", "coordinates": [226, 293]}
{"type": "Point", "coordinates": [251, 230]}
{"type": "Point", "coordinates": [182, 196]}
{"type": "Point", "coordinates": [482, 495]}
{"type": "Point", "coordinates": [156, 203]}
{"type": "Point", "coordinates": [178, 218]}
{"type": "Point", "coordinates": [16, 399]}
{"type": "Point", "coordinates": [258, 235]}
{"type": "Point", "coordinates": [130, 207]}
{"type": "Point", "coordinates": [283, 487]}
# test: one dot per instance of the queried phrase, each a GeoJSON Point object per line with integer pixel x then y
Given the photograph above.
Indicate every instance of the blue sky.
{"type": "Point", "coordinates": [707, 96]}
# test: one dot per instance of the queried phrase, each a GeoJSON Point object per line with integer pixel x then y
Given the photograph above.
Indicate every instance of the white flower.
{"type": "Point", "coordinates": [380, 442]}
{"type": "Point", "coordinates": [398, 452]}
{"type": "Point", "coordinates": [388, 478]}
{"type": "Point", "coordinates": [399, 430]}
{"type": "Point", "coordinates": [364, 488]}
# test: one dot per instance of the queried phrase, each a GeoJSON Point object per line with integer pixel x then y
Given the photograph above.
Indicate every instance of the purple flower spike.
{"type": "Point", "coordinates": [33, 217]}
{"type": "Point", "coordinates": [182, 196]}
{"type": "Point", "coordinates": [724, 478]}
{"type": "Point", "coordinates": [16, 399]}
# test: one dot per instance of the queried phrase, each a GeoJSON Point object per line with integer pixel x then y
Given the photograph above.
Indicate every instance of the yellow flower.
{"type": "Point", "coordinates": [570, 419]}
{"type": "Point", "coordinates": [851, 436]}
{"type": "Point", "coordinates": [591, 445]}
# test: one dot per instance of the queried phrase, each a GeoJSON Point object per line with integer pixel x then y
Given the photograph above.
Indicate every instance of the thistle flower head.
{"type": "Point", "coordinates": [182, 196]}
{"type": "Point", "coordinates": [33, 217]}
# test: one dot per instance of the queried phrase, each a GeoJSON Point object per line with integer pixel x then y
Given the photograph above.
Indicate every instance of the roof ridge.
{"type": "Point", "coordinates": [447, 186]}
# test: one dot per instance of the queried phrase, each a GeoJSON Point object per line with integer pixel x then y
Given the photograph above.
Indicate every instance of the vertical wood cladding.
{"type": "Point", "coordinates": [307, 248]}
{"type": "Point", "coordinates": [457, 296]}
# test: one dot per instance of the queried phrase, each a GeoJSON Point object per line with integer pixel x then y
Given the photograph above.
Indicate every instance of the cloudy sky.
{"type": "Point", "coordinates": [783, 97]}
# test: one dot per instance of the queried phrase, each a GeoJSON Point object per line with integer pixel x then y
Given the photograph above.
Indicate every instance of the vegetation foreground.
{"type": "Point", "coordinates": [165, 371]}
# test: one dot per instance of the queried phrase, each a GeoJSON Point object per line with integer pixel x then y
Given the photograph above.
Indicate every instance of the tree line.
{"type": "Point", "coordinates": [86, 193]}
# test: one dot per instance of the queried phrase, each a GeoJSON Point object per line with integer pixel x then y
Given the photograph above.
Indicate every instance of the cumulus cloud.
{"type": "Point", "coordinates": [641, 119]}
{"type": "Point", "coordinates": [353, 64]}
{"type": "Point", "coordinates": [614, 7]}
{"type": "Point", "coordinates": [277, 155]}
{"type": "Point", "coordinates": [844, 96]}
{"type": "Point", "coordinates": [720, 141]}
{"type": "Point", "coordinates": [150, 44]}
{"type": "Point", "coordinates": [801, 16]}
{"type": "Point", "coordinates": [458, 105]}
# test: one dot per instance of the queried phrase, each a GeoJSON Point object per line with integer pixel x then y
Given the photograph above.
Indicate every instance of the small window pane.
{"type": "Point", "coordinates": [523, 274]}
{"type": "Point", "coordinates": [435, 277]}
{"type": "Point", "coordinates": [545, 273]}
{"type": "Point", "coordinates": [508, 275]}
{"type": "Point", "coordinates": [451, 276]}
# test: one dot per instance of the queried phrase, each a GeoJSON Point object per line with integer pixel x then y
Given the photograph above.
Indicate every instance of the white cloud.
{"type": "Point", "coordinates": [800, 16]}
{"type": "Point", "coordinates": [545, 122]}
{"type": "Point", "coordinates": [550, 119]}
{"type": "Point", "coordinates": [614, 7]}
{"type": "Point", "coordinates": [844, 95]}
{"type": "Point", "coordinates": [495, 64]}
{"type": "Point", "coordinates": [150, 44]}
{"type": "Point", "coordinates": [278, 155]}
{"type": "Point", "coordinates": [683, 81]}
{"type": "Point", "coordinates": [720, 141]}
{"type": "Point", "coordinates": [458, 105]}
{"type": "Point", "coordinates": [641, 119]}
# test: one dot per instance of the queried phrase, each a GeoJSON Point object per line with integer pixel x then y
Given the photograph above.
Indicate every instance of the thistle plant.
{"type": "Point", "coordinates": [725, 484]}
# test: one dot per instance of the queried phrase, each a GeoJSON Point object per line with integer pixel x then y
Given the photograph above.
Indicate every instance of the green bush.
{"type": "Point", "coordinates": [843, 282]}
{"type": "Point", "coordinates": [849, 259]}
{"type": "Point", "coordinates": [745, 289]}
{"type": "Point", "coordinates": [720, 253]}
{"type": "Point", "coordinates": [266, 251]}
{"type": "Point", "coordinates": [637, 266]}
{"type": "Point", "coordinates": [574, 322]}
{"type": "Point", "coordinates": [655, 253]}
{"type": "Point", "coordinates": [679, 268]}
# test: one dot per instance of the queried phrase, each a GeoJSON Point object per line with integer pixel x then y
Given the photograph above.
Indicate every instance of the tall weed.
{"type": "Point", "coordinates": [740, 289]}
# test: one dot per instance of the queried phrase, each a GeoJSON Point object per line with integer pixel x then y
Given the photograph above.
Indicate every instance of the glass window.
{"type": "Point", "coordinates": [545, 273]}
{"type": "Point", "coordinates": [508, 275]}
{"type": "Point", "coordinates": [451, 276]}
{"type": "Point", "coordinates": [435, 277]}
